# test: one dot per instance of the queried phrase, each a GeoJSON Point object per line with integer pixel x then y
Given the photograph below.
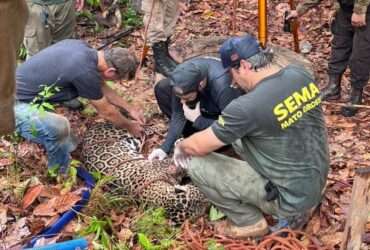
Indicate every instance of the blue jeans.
{"type": "Point", "coordinates": [49, 129]}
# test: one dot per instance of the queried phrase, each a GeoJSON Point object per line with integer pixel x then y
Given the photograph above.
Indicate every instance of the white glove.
{"type": "Point", "coordinates": [191, 114]}
{"type": "Point", "coordinates": [157, 154]}
{"type": "Point", "coordinates": [181, 158]}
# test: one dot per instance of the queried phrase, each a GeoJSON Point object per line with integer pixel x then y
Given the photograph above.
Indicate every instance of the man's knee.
{"type": "Point", "coordinates": [57, 126]}
{"type": "Point", "coordinates": [163, 92]}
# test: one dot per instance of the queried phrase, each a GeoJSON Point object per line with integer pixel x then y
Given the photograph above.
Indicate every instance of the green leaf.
{"type": "Point", "coordinates": [215, 214]}
{"type": "Point", "coordinates": [48, 106]}
{"type": "Point", "coordinates": [53, 171]}
{"type": "Point", "coordinates": [145, 242]}
{"type": "Point", "coordinates": [213, 245]}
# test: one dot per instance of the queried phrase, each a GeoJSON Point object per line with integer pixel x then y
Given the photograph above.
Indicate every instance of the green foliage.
{"type": "Point", "coordinates": [215, 214]}
{"type": "Point", "coordinates": [102, 201]}
{"type": "Point", "coordinates": [69, 178]}
{"type": "Point", "coordinates": [213, 245]}
{"type": "Point", "coordinates": [93, 3]}
{"type": "Point", "coordinates": [99, 227]}
{"type": "Point", "coordinates": [71, 175]}
{"type": "Point", "coordinates": [22, 53]}
{"type": "Point", "coordinates": [40, 102]}
{"type": "Point", "coordinates": [87, 14]}
{"type": "Point", "coordinates": [53, 171]}
{"type": "Point", "coordinates": [152, 225]}
{"type": "Point", "coordinates": [131, 18]}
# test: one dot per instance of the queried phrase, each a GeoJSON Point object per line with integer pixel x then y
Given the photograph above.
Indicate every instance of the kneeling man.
{"type": "Point", "coordinates": [277, 127]}
{"type": "Point", "coordinates": [61, 73]}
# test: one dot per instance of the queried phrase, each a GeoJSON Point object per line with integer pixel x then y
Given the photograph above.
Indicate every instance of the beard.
{"type": "Point", "coordinates": [192, 104]}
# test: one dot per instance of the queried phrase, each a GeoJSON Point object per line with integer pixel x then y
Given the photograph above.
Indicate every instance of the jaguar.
{"type": "Point", "coordinates": [116, 153]}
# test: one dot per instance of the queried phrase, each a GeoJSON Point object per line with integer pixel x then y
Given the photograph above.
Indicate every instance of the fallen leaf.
{"type": "Point", "coordinates": [46, 208]}
{"type": "Point", "coordinates": [51, 221]}
{"type": "Point", "coordinates": [332, 240]}
{"type": "Point", "coordinates": [3, 218]}
{"type": "Point", "coordinates": [66, 202]}
{"type": "Point", "coordinates": [50, 192]}
{"type": "Point", "coordinates": [125, 234]}
{"type": "Point", "coordinates": [36, 226]}
{"type": "Point", "coordinates": [31, 195]}
{"type": "Point", "coordinates": [6, 162]}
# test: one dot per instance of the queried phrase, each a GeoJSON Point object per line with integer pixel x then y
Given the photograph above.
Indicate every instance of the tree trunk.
{"type": "Point", "coordinates": [359, 211]}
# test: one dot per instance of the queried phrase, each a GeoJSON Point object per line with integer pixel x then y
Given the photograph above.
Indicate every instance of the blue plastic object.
{"type": "Point", "coordinates": [78, 244]}
{"type": "Point", "coordinates": [69, 215]}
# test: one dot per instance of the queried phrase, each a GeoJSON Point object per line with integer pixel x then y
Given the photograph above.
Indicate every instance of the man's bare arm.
{"type": "Point", "coordinates": [118, 101]}
{"type": "Point", "coordinates": [201, 143]}
{"type": "Point", "coordinates": [112, 114]}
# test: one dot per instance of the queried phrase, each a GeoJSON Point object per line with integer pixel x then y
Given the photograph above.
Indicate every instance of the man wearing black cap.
{"type": "Point", "coordinates": [278, 130]}
{"type": "Point", "coordinates": [192, 97]}
{"type": "Point", "coordinates": [64, 71]}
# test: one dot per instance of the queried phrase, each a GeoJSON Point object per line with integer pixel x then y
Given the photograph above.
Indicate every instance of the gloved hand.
{"type": "Point", "coordinates": [181, 158]}
{"type": "Point", "coordinates": [191, 114]}
{"type": "Point", "coordinates": [158, 154]}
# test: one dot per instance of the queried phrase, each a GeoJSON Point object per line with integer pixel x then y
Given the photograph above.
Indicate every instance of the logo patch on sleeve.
{"type": "Point", "coordinates": [221, 121]}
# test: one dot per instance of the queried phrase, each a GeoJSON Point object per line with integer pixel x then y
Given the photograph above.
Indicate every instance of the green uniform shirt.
{"type": "Point", "coordinates": [281, 126]}
{"type": "Point", "coordinates": [360, 6]}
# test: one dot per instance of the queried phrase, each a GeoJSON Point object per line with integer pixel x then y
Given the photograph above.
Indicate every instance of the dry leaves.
{"type": "Point", "coordinates": [31, 195]}
{"type": "Point", "coordinates": [57, 205]}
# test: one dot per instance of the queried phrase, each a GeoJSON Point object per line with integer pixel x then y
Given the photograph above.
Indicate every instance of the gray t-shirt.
{"type": "Point", "coordinates": [70, 65]}
{"type": "Point", "coordinates": [283, 134]}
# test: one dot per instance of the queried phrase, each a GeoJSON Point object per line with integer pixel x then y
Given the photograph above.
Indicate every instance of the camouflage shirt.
{"type": "Point", "coordinates": [359, 6]}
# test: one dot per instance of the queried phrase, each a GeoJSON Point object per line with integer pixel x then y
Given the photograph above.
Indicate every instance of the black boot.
{"type": "Point", "coordinates": [168, 42]}
{"type": "Point", "coordinates": [355, 99]}
{"type": "Point", "coordinates": [332, 91]}
{"type": "Point", "coordinates": [163, 62]}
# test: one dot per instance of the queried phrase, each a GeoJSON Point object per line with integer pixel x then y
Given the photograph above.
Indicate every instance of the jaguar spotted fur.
{"type": "Point", "coordinates": [116, 153]}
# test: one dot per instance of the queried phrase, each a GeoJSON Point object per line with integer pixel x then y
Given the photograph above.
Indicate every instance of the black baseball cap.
{"type": "Point", "coordinates": [186, 77]}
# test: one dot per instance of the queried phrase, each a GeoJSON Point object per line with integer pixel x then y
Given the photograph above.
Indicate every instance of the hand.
{"type": "Point", "coordinates": [358, 20]}
{"type": "Point", "coordinates": [291, 14]}
{"type": "Point", "coordinates": [79, 5]}
{"type": "Point", "coordinates": [191, 114]}
{"type": "Point", "coordinates": [135, 129]}
{"type": "Point", "coordinates": [138, 115]}
{"type": "Point", "coordinates": [181, 158]}
{"type": "Point", "coordinates": [157, 154]}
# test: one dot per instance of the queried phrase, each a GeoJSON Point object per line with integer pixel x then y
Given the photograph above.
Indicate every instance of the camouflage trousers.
{"type": "Point", "coordinates": [234, 187]}
{"type": "Point", "coordinates": [164, 18]}
{"type": "Point", "coordinates": [13, 18]}
{"type": "Point", "coordinates": [48, 24]}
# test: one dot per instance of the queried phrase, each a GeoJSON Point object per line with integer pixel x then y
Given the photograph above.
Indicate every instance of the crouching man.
{"type": "Point", "coordinates": [192, 97]}
{"type": "Point", "coordinates": [63, 72]}
{"type": "Point", "coordinates": [277, 128]}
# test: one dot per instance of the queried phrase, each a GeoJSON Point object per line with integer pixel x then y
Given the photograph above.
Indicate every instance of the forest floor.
{"type": "Point", "coordinates": [26, 190]}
